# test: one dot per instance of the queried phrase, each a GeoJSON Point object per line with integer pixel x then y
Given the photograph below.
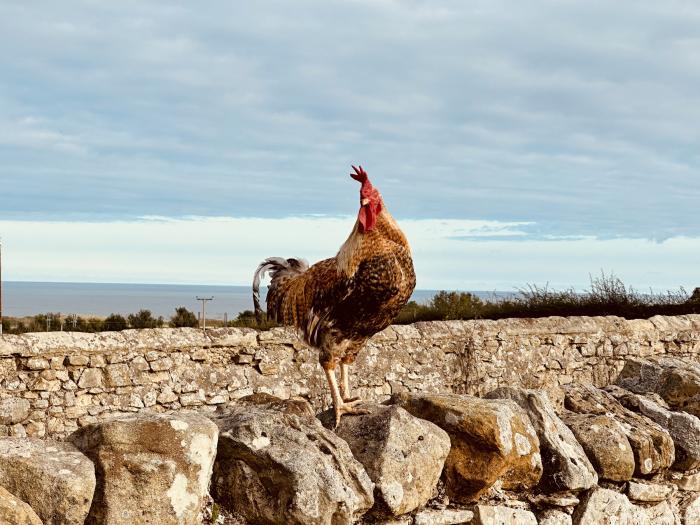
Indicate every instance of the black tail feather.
{"type": "Point", "coordinates": [274, 266]}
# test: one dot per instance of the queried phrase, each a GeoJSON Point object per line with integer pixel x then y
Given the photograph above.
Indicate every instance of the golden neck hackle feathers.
{"type": "Point", "coordinates": [383, 238]}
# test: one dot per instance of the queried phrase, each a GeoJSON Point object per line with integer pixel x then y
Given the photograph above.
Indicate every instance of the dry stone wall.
{"type": "Point", "coordinates": [53, 383]}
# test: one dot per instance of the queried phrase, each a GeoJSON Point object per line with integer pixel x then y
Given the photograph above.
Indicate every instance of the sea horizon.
{"type": "Point", "coordinates": [99, 299]}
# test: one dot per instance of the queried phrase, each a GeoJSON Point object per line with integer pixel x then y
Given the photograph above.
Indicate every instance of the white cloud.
{"type": "Point", "coordinates": [580, 116]}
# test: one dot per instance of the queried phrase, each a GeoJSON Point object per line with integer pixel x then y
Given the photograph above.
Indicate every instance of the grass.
{"type": "Point", "coordinates": [607, 295]}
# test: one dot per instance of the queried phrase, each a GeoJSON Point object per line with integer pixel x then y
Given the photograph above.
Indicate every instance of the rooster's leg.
{"type": "Point", "coordinates": [340, 406]}
{"type": "Point", "coordinates": [345, 383]}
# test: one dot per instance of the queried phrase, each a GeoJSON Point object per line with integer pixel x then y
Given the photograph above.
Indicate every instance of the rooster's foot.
{"type": "Point", "coordinates": [349, 407]}
{"type": "Point", "coordinates": [351, 399]}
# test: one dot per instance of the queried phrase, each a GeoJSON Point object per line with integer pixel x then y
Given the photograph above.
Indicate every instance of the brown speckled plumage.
{"type": "Point", "coordinates": [339, 303]}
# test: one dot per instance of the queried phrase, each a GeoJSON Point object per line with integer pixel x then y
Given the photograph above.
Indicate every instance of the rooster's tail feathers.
{"type": "Point", "coordinates": [276, 267]}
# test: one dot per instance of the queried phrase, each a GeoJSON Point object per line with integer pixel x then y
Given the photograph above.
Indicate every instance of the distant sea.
{"type": "Point", "coordinates": [23, 298]}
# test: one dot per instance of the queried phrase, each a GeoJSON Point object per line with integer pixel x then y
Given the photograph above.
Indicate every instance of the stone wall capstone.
{"type": "Point", "coordinates": [53, 383]}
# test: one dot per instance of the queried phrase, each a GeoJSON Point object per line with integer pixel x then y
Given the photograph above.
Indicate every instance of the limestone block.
{"type": "Point", "coordinates": [403, 455]}
{"type": "Point", "coordinates": [677, 381]}
{"type": "Point", "coordinates": [564, 461]}
{"type": "Point", "coordinates": [151, 468]}
{"type": "Point", "coordinates": [652, 445]}
{"type": "Point", "coordinates": [648, 492]}
{"type": "Point", "coordinates": [683, 427]}
{"type": "Point", "coordinates": [277, 464]}
{"type": "Point", "coordinates": [54, 478]}
{"type": "Point", "coordinates": [605, 443]}
{"type": "Point", "coordinates": [502, 515]}
{"type": "Point", "coordinates": [14, 511]}
{"type": "Point", "coordinates": [117, 375]}
{"type": "Point", "coordinates": [442, 517]}
{"type": "Point", "coordinates": [14, 410]}
{"type": "Point", "coordinates": [90, 378]}
{"type": "Point", "coordinates": [491, 440]}
{"type": "Point", "coordinates": [606, 507]}
{"type": "Point", "coordinates": [554, 517]}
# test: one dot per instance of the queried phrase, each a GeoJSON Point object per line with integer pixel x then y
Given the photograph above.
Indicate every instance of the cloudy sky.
{"type": "Point", "coordinates": [517, 142]}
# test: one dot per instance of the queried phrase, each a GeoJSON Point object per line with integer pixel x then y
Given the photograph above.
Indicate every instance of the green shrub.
{"type": "Point", "coordinates": [184, 318]}
{"type": "Point", "coordinates": [144, 319]}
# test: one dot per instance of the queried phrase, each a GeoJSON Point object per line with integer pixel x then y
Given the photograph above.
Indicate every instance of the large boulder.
{"type": "Point", "coordinates": [492, 440]}
{"type": "Point", "coordinates": [605, 442]}
{"type": "Point", "coordinates": [683, 427]}
{"type": "Point", "coordinates": [277, 464]}
{"type": "Point", "coordinates": [151, 468]}
{"type": "Point", "coordinates": [652, 445]}
{"type": "Point", "coordinates": [677, 381]}
{"type": "Point", "coordinates": [55, 479]}
{"type": "Point", "coordinates": [14, 511]}
{"type": "Point", "coordinates": [402, 454]}
{"type": "Point", "coordinates": [564, 461]}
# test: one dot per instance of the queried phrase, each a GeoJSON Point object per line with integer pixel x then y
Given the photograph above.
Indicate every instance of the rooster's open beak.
{"type": "Point", "coordinates": [364, 202]}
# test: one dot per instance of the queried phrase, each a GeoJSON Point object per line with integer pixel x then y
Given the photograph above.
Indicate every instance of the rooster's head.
{"type": "Point", "coordinates": [370, 200]}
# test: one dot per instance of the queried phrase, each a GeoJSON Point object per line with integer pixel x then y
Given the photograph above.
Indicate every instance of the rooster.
{"type": "Point", "coordinates": [339, 303]}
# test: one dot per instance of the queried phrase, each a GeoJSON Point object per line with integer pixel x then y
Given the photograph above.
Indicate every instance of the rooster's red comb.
{"type": "Point", "coordinates": [360, 174]}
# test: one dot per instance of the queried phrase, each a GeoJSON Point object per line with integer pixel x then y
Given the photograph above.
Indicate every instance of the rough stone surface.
{"type": "Point", "coordinates": [683, 427]}
{"type": "Point", "coordinates": [492, 440]}
{"type": "Point", "coordinates": [605, 443]}
{"type": "Point", "coordinates": [554, 517]}
{"type": "Point", "coordinates": [688, 481]}
{"type": "Point", "coordinates": [14, 410]}
{"type": "Point", "coordinates": [402, 454]}
{"type": "Point", "coordinates": [151, 468]}
{"type": "Point", "coordinates": [648, 492]}
{"type": "Point", "coordinates": [661, 514]}
{"type": "Point", "coordinates": [442, 517]}
{"type": "Point", "coordinates": [676, 381]}
{"type": "Point", "coordinates": [606, 507]}
{"type": "Point", "coordinates": [472, 357]}
{"type": "Point", "coordinates": [563, 459]}
{"type": "Point", "coordinates": [277, 464]}
{"type": "Point", "coordinates": [652, 445]}
{"type": "Point", "coordinates": [53, 478]}
{"type": "Point", "coordinates": [502, 515]}
{"type": "Point", "coordinates": [690, 510]}
{"type": "Point", "coordinates": [14, 511]}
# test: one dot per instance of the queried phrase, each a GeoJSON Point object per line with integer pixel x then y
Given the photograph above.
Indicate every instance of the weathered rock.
{"type": "Point", "coordinates": [14, 511]}
{"type": "Point", "coordinates": [605, 443]}
{"type": "Point", "coordinates": [491, 440]}
{"type": "Point", "coordinates": [690, 510]}
{"type": "Point", "coordinates": [151, 468]}
{"type": "Point", "coordinates": [53, 478]}
{"type": "Point", "coordinates": [689, 481]}
{"type": "Point", "coordinates": [502, 515]}
{"type": "Point", "coordinates": [277, 464]}
{"type": "Point", "coordinates": [676, 381]}
{"type": "Point", "coordinates": [442, 517]}
{"type": "Point", "coordinates": [402, 454]}
{"type": "Point", "coordinates": [14, 410]}
{"type": "Point", "coordinates": [661, 514]}
{"type": "Point", "coordinates": [561, 499]}
{"type": "Point", "coordinates": [652, 445]}
{"type": "Point", "coordinates": [554, 517]}
{"type": "Point", "coordinates": [563, 459]}
{"type": "Point", "coordinates": [605, 507]}
{"type": "Point", "coordinates": [647, 492]}
{"type": "Point", "coordinates": [683, 427]}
